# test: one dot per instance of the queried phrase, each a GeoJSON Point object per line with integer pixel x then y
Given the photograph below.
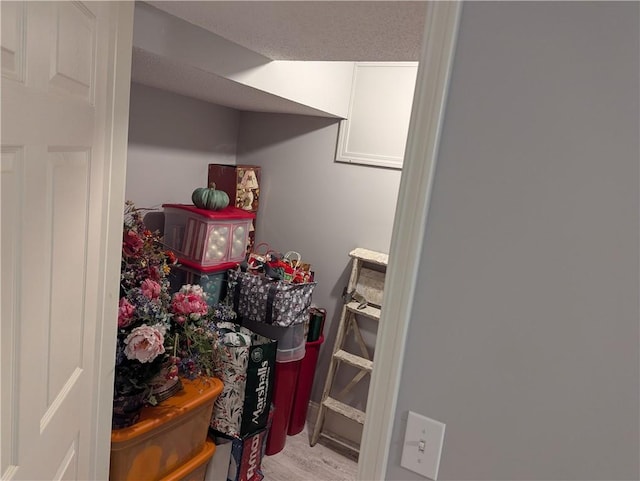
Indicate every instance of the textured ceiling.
{"type": "Point", "coordinates": [377, 31]}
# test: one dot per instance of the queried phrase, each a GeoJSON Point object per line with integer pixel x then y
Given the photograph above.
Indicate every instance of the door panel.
{"type": "Point", "coordinates": [68, 188]}
{"type": "Point", "coordinates": [13, 24]}
{"type": "Point", "coordinates": [72, 51]}
{"type": "Point", "coordinates": [11, 172]}
{"type": "Point", "coordinates": [57, 68]}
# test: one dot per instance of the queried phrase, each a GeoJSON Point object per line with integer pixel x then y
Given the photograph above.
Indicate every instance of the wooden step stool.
{"type": "Point", "coordinates": [363, 297]}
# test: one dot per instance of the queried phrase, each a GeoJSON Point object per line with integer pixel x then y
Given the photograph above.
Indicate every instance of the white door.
{"type": "Point", "coordinates": [65, 90]}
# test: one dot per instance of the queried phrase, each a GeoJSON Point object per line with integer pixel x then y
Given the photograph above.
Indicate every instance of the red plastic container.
{"type": "Point", "coordinates": [284, 388]}
{"type": "Point", "coordinates": [303, 391]}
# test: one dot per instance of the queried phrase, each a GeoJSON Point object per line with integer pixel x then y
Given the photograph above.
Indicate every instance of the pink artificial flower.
{"type": "Point", "coordinates": [125, 313]}
{"type": "Point", "coordinates": [190, 302]}
{"type": "Point", "coordinates": [144, 344]}
{"type": "Point", "coordinates": [150, 289]}
{"type": "Point", "coordinates": [131, 243]}
{"type": "Point", "coordinates": [154, 273]}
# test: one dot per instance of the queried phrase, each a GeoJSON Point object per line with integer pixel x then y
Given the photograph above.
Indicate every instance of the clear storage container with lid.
{"type": "Point", "coordinates": [213, 281]}
{"type": "Point", "coordinates": [206, 238]}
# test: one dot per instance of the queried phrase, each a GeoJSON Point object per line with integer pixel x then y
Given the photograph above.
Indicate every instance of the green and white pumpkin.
{"type": "Point", "coordinates": [209, 198]}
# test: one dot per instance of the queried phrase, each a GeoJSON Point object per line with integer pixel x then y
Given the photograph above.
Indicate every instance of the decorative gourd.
{"type": "Point", "coordinates": [210, 198]}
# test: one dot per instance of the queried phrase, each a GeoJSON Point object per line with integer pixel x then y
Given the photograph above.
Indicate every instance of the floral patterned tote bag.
{"type": "Point", "coordinates": [244, 361]}
{"type": "Point", "coordinates": [260, 299]}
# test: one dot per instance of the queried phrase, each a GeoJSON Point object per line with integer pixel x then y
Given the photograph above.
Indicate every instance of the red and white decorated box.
{"type": "Point", "coordinates": [207, 238]}
{"type": "Point", "coordinates": [245, 460]}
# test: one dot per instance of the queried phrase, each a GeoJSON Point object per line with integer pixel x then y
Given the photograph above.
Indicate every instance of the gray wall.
{"type": "Point", "coordinates": [320, 208]}
{"type": "Point", "coordinates": [524, 330]}
{"type": "Point", "coordinates": [172, 139]}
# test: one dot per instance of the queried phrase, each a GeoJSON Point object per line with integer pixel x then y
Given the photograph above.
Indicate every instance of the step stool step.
{"type": "Point", "coordinates": [344, 409]}
{"type": "Point", "coordinates": [368, 311]}
{"type": "Point", "coordinates": [352, 359]}
{"type": "Point", "coordinates": [370, 256]}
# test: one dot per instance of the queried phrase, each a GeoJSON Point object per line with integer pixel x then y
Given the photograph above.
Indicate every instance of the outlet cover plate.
{"type": "Point", "coordinates": [422, 448]}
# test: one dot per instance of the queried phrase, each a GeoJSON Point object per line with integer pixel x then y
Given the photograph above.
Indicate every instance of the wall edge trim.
{"type": "Point", "coordinates": [441, 30]}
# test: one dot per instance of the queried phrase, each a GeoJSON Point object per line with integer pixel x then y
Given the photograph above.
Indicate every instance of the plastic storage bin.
{"type": "Point", "coordinates": [196, 468]}
{"type": "Point", "coordinates": [286, 378]}
{"type": "Point", "coordinates": [291, 339]}
{"type": "Point", "coordinates": [213, 281]}
{"type": "Point", "coordinates": [166, 436]}
{"type": "Point", "coordinates": [304, 386]}
{"type": "Point", "coordinates": [290, 355]}
{"type": "Point", "coordinates": [207, 238]}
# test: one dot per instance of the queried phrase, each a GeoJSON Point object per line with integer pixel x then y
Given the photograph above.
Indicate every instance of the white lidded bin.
{"type": "Point", "coordinates": [290, 355]}
{"type": "Point", "coordinates": [207, 238]}
{"type": "Point", "coordinates": [291, 339]}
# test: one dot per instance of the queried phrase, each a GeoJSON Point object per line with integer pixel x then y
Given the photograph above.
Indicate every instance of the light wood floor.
{"type": "Point", "coordinates": [300, 462]}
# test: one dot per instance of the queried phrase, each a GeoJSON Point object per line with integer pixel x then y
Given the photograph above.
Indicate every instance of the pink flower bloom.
{"type": "Point", "coordinates": [144, 344]}
{"type": "Point", "coordinates": [154, 273]}
{"type": "Point", "coordinates": [150, 289]}
{"type": "Point", "coordinates": [131, 243]}
{"type": "Point", "coordinates": [190, 303]}
{"type": "Point", "coordinates": [125, 313]}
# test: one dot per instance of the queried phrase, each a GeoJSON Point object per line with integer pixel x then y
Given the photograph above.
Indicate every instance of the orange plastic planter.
{"type": "Point", "coordinates": [167, 435]}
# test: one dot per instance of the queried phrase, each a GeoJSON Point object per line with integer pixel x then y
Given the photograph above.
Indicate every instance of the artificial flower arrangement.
{"type": "Point", "coordinates": [194, 331]}
{"type": "Point", "coordinates": [189, 338]}
{"type": "Point", "coordinates": [144, 315]}
{"type": "Point", "coordinates": [160, 336]}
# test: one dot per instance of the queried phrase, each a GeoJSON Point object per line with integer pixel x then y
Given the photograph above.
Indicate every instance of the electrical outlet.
{"type": "Point", "coordinates": [423, 440]}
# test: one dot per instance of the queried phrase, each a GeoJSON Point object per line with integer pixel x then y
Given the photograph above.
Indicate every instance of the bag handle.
{"type": "Point", "coordinates": [255, 259]}
{"type": "Point", "coordinates": [236, 294]}
{"type": "Point", "coordinates": [271, 295]}
{"type": "Point", "coordinates": [294, 259]}
{"type": "Point", "coordinates": [267, 247]}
